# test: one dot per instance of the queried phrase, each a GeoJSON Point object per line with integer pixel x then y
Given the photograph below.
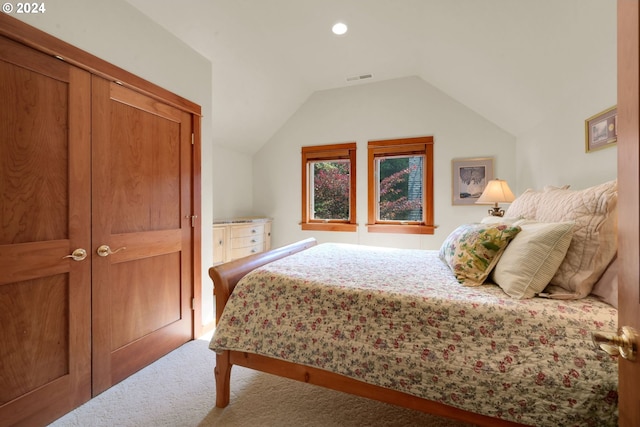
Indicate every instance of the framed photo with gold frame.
{"type": "Point", "coordinates": [601, 130]}
{"type": "Point", "coordinates": [470, 177]}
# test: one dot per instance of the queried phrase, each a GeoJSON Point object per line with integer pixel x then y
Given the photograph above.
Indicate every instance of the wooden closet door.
{"type": "Point", "coordinates": [45, 296]}
{"type": "Point", "coordinates": [142, 204]}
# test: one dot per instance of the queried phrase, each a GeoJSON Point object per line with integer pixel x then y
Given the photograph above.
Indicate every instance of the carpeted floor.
{"type": "Point", "coordinates": [178, 390]}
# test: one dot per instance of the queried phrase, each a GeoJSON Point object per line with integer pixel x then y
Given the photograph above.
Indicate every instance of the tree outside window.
{"type": "Point", "coordinates": [401, 186]}
{"type": "Point", "coordinates": [329, 188]}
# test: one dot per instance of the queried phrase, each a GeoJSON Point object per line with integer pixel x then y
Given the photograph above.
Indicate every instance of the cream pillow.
{"type": "Point", "coordinates": [526, 205]}
{"type": "Point", "coordinates": [532, 258]}
{"type": "Point", "coordinates": [606, 288]}
{"type": "Point", "coordinates": [498, 220]}
{"type": "Point", "coordinates": [594, 242]}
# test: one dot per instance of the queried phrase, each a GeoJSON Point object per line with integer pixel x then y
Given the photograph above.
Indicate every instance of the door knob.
{"type": "Point", "coordinates": [625, 344]}
{"type": "Point", "coordinates": [105, 250]}
{"type": "Point", "coordinates": [77, 255]}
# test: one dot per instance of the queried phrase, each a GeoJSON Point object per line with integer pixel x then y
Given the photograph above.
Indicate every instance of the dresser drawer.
{"type": "Point", "coordinates": [243, 242]}
{"type": "Point", "coordinates": [249, 250]}
{"type": "Point", "coordinates": [247, 230]}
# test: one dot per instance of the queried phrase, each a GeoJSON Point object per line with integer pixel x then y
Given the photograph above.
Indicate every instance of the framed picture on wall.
{"type": "Point", "coordinates": [601, 130]}
{"type": "Point", "coordinates": [470, 177]}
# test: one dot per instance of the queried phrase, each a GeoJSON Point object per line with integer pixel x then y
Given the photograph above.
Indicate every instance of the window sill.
{"type": "Point", "coordinates": [401, 228]}
{"type": "Point", "coordinates": [329, 226]}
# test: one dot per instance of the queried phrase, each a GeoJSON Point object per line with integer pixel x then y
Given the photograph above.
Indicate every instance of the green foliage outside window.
{"type": "Point", "coordinates": [331, 190]}
{"type": "Point", "coordinates": [400, 188]}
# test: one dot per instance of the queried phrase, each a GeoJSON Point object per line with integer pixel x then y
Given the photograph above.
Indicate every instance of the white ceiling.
{"type": "Point", "coordinates": [511, 61]}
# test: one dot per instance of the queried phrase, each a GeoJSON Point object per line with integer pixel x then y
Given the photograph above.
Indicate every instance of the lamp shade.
{"type": "Point", "coordinates": [496, 191]}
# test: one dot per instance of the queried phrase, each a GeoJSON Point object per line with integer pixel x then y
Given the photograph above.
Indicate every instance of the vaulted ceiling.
{"type": "Point", "coordinates": [511, 61]}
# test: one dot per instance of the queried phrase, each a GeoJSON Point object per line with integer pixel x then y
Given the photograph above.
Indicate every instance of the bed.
{"type": "Point", "coordinates": [451, 335]}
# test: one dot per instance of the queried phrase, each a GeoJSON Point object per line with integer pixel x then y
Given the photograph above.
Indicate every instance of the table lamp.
{"type": "Point", "coordinates": [496, 191]}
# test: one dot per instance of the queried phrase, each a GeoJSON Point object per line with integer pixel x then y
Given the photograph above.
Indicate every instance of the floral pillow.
{"type": "Point", "coordinates": [472, 250]}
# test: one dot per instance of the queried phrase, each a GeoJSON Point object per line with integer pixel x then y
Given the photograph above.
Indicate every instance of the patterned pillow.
{"type": "Point", "coordinates": [472, 250]}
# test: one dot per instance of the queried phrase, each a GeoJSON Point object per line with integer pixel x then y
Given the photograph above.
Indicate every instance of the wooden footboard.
{"type": "Point", "coordinates": [226, 276]}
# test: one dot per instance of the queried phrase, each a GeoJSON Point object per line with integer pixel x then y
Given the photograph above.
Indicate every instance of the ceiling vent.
{"type": "Point", "coordinates": [360, 77]}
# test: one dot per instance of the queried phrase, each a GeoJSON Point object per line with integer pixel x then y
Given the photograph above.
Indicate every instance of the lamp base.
{"type": "Point", "coordinates": [496, 211]}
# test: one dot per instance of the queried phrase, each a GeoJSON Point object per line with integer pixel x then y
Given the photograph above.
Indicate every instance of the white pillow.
{"type": "Point", "coordinates": [498, 220]}
{"type": "Point", "coordinates": [526, 205]}
{"type": "Point", "coordinates": [532, 258]}
{"type": "Point", "coordinates": [606, 288]}
{"type": "Point", "coordinates": [594, 242]}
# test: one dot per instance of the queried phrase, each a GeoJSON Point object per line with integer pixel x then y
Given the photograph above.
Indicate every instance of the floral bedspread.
{"type": "Point", "coordinates": [399, 318]}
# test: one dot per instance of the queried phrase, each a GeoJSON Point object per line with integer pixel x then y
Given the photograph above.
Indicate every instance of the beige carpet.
{"type": "Point", "coordinates": [178, 390]}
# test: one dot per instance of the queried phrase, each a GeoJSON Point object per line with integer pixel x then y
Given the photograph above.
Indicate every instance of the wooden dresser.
{"type": "Point", "coordinates": [239, 237]}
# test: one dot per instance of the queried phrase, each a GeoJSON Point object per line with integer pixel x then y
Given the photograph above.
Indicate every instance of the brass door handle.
{"type": "Point", "coordinates": [77, 255]}
{"type": "Point", "coordinates": [625, 344]}
{"type": "Point", "coordinates": [105, 250]}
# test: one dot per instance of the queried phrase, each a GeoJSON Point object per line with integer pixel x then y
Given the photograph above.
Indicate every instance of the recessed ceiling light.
{"type": "Point", "coordinates": [339, 28]}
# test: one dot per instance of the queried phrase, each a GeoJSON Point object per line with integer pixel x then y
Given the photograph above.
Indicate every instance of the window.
{"type": "Point", "coordinates": [401, 186]}
{"type": "Point", "coordinates": [329, 187]}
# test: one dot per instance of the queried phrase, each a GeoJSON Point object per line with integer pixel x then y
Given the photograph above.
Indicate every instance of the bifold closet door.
{"type": "Point", "coordinates": [141, 231]}
{"type": "Point", "coordinates": [45, 226]}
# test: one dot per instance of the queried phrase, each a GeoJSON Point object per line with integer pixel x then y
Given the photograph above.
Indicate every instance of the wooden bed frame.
{"type": "Point", "coordinates": [226, 276]}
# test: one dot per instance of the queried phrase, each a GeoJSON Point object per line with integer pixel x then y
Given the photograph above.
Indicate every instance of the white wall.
{"type": "Point", "coordinates": [396, 108]}
{"type": "Point", "coordinates": [118, 33]}
{"type": "Point", "coordinates": [553, 152]}
{"type": "Point", "coordinates": [233, 175]}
